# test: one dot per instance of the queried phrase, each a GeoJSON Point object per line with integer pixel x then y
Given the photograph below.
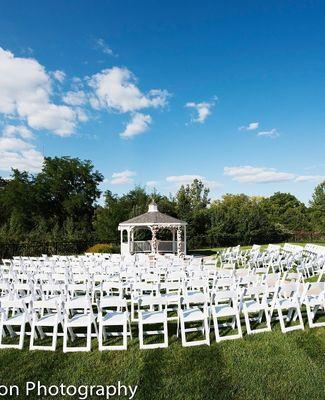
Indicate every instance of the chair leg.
{"type": "Point", "coordinates": [165, 334]}
{"type": "Point", "coordinates": [55, 337]}
{"type": "Point", "coordinates": [100, 336]}
{"type": "Point", "coordinates": [88, 346]}
{"type": "Point", "coordinates": [216, 329]}
{"type": "Point", "coordinates": [32, 337]}
{"type": "Point", "coordinates": [2, 333]}
{"type": "Point", "coordinates": [22, 336]}
{"type": "Point", "coordinates": [247, 322]}
{"type": "Point", "coordinates": [65, 338]}
{"type": "Point", "coordinates": [130, 329]}
{"type": "Point", "coordinates": [125, 335]}
{"type": "Point", "coordinates": [183, 333]}
{"type": "Point", "coordinates": [141, 334]}
{"type": "Point", "coordinates": [207, 331]}
{"type": "Point", "coordinates": [96, 329]}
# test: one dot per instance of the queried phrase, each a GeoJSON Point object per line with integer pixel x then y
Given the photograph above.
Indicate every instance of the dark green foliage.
{"type": "Point", "coordinates": [317, 208]}
{"type": "Point", "coordinates": [60, 204]}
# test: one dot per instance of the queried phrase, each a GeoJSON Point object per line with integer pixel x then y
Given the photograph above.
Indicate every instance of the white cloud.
{"type": "Point", "coordinates": [104, 47]}
{"type": "Point", "coordinates": [203, 110]}
{"type": "Point", "coordinates": [25, 91]}
{"type": "Point", "coordinates": [179, 180]}
{"type": "Point", "coordinates": [17, 130]}
{"type": "Point", "coordinates": [122, 178]}
{"type": "Point", "coordinates": [272, 133]}
{"type": "Point", "coordinates": [82, 116]}
{"type": "Point", "coordinates": [77, 98]}
{"type": "Point", "coordinates": [115, 89]}
{"type": "Point", "coordinates": [249, 174]}
{"type": "Point", "coordinates": [59, 75]}
{"type": "Point", "coordinates": [250, 127]}
{"type": "Point", "coordinates": [138, 124]}
{"type": "Point", "coordinates": [152, 184]}
{"type": "Point", "coordinates": [310, 178]}
{"type": "Point", "coordinates": [19, 154]}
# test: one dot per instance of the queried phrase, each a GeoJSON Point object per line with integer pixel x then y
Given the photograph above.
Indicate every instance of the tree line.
{"type": "Point", "coordinates": [61, 203]}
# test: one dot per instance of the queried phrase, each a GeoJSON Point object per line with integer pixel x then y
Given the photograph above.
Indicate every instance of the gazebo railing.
{"type": "Point", "coordinates": [141, 246]}
{"type": "Point", "coordinates": [164, 246]}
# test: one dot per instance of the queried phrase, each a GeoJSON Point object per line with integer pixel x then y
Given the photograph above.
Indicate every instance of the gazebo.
{"type": "Point", "coordinates": [154, 221]}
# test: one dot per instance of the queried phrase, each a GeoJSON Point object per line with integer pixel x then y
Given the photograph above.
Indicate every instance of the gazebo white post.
{"type": "Point", "coordinates": [185, 239]}
{"type": "Point", "coordinates": [129, 239]}
{"type": "Point", "coordinates": [154, 230]}
{"type": "Point", "coordinates": [179, 241]}
{"type": "Point", "coordinates": [174, 247]}
{"type": "Point", "coordinates": [132, 236]}
{"type": "Point", "coordinates": [121, 237]}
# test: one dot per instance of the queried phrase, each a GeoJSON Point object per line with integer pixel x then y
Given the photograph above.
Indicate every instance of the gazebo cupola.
{"type": "Point", "coordinates": [155, 221]}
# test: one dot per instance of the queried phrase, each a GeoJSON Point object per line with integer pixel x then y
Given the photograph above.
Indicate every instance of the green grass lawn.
{"type": "Point", "coordinates": [269, 365]}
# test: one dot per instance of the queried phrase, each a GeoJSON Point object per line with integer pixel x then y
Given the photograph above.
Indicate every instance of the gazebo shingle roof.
{"type": "Point", "coordinates": [155, 217]}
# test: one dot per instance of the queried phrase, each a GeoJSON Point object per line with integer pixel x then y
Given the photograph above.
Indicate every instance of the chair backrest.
{"type": "Point", "coordinates": [222, 296]}
{"type": "Point", "coordinates": [151, 302]}
{"type": "Point", "coordinates": [198, 298]}
{"type": "Point", "coordinates": [289, 290]}
{"type": "Point", "coordinates": [13, 306]}
{"type": "Point", "coordinates": [257, 292]}
{"type": "Point", "coordinates": [46, 305]}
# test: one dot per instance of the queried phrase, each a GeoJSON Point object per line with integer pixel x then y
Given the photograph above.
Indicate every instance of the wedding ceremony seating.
{"type": "Point", "coordinates": [158, 298]}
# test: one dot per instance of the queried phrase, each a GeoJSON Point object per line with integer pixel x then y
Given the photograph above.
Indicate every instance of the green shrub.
{"type": "Point", "coordinates": [104, 248]}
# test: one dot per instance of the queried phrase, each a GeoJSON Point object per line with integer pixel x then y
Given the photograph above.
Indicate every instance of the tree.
{"type": "Point", "coordinates": [67, 189]}
{"type": "Point", "coordinates": [17, 200]}
{"type": "Point", "coordinates": [317, 208]}
{"type": "Point", "coordinates": [285, 210]}
{"type": "Point", "coordinates": [191, 204]}
{"type": "Point", "coordinates": [240, 219]}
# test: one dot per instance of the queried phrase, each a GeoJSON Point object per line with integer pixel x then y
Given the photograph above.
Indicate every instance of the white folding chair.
{"type": "Point", "coordinates": [225, 305]}
{"type": "Point", "coordinates": [314, 300]}
{"type": "Point", "coordinates": [195, 311]}
{"type": "Point", "coordinates": [13, 314]}
{"type": "Point", "coordinates": [287, 299]}
{"type": "Point", "coordinates": [78, 313]}
{"type": "Point", "coordinates": [45, 314]}
{"type": "Point", "coordinates": [152, 312]}
{"type": "Point", "coordinates": [254, 301]}
{"type": "Point", "coordinates": [113, 312]}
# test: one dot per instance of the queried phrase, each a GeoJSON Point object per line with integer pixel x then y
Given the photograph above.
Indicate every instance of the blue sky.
{"type": "Point", "coordinates": [157, 93]}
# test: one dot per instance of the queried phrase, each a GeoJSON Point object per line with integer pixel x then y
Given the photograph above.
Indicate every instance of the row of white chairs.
{"type": "Point", "coordinates": [149, 307]}
{"type": "Point", "coordinates": [309, 259]}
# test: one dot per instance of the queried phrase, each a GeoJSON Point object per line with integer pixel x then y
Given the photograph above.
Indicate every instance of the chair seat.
{"type": "Point", "coordinates": [114, 318]}
{"type": "Point", "coordinates": [171, 297]}
{"type": "Point", "coordinates": [316, 301]}
{"type": "Point", "coordinates": [79, 320]}
{"type": "Point", "coordinates": [253, 306]}
{"type": "Point", "coordinates": [17, 319]}
{"type": "Point", "coordinates": [153, 317]}
{"type": "Point", "coordinates": [47, 320]}
{"type": "Point", "coordinates": [286, 303]}
{"type": "Point", "coordinates": [193, 314]}
{"type": "Point", "coordinates": [223, 310]}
